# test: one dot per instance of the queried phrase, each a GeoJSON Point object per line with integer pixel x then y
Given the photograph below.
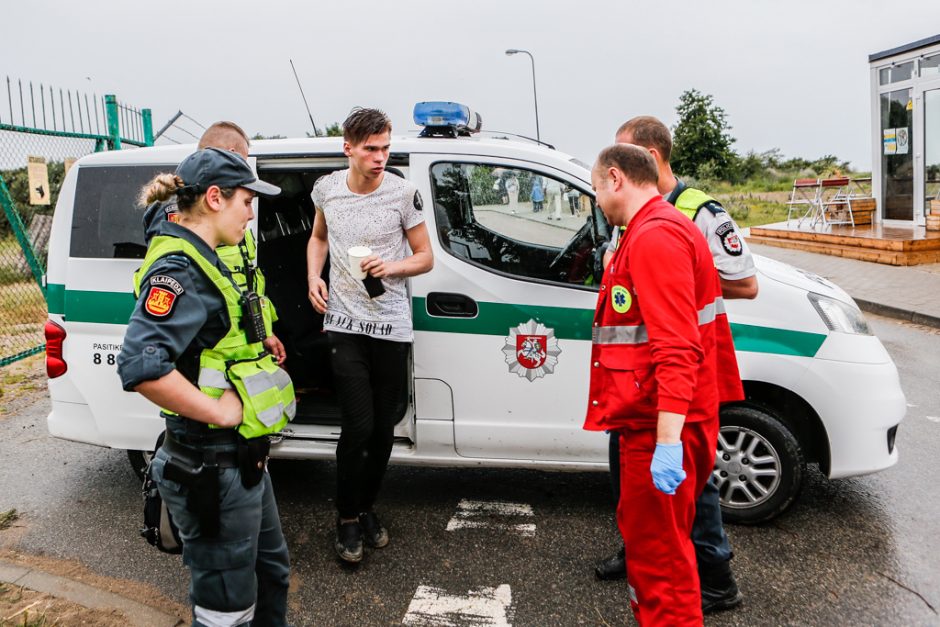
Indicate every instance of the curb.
{"type": "Point", "coordinates": [898, 313]}
{"type": "Point", "coordinates": [84, 595]}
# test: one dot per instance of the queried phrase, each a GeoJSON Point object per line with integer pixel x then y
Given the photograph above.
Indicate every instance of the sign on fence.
{"type": "Point", "coordinates": [38, 173]}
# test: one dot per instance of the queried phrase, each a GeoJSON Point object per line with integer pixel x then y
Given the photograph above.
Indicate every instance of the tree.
{"type": "Point", "coordinates": [701, 141]}
{"type": "Point", "coordinates": [332, 130]}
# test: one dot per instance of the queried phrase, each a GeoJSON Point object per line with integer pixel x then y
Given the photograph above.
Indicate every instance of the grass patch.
{"type": "Point", "coordinates": [7, 518]}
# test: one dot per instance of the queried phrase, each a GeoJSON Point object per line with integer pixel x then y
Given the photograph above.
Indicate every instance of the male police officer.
{"type": "Point", "coordinates": [654, 369]}
{"type": "Point", "coordinates": [738, 277]}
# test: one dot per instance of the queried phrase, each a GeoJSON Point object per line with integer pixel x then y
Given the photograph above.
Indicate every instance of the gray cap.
{"type": "Point", "coordinates": [211, 166]}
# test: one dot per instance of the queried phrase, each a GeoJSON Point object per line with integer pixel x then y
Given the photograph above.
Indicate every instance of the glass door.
{"type": "Point", "coordinates": [897, 159]}
{"type": "Point", "coordinates": [929, 150]}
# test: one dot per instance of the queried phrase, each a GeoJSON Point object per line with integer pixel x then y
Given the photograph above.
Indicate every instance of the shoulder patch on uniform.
{"type": "Point", "coordinates": [168, 282]}
{"type": "Point", "coordinates": [164, 290]}
{"type": "Point", "coordinates": [714, 207]}
{"type": "Point", "coordinates": [730, 240]}
{"type": "Point", "coordinates": [418, 203]}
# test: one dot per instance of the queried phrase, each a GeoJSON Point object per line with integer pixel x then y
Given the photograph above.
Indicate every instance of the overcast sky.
{"type": "Point", "coordinates": [791, 75]}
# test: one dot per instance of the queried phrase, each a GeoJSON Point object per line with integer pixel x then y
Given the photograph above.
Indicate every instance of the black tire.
{"type": "Point", "coordinates": [752, 492]}
{"type": "Point", "coordinates": [141, 459]}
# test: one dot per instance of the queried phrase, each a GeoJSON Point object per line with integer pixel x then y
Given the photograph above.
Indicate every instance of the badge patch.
{"type": "Point", "coordinates": [730, 240]}
{"type": "Point", "coordinates": [531, 350]}
{"type": "Point", "coordinates": [620, 299]}
{"type": "Point", "coordinates": [419, 204]}
{"type": "Point", "coordinates": [159, 302]}
{"type": "Point", "coordinates": [163, 292]}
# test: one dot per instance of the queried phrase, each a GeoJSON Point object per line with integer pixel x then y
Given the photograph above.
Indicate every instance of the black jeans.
{"type": "Point", "coordinates": [371, 378]}
{"type": "Point", "coordinates": [708, 534]}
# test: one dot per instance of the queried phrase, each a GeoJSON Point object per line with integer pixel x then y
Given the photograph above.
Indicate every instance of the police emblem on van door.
{"type": "Point", "coordinates": [531, 350]}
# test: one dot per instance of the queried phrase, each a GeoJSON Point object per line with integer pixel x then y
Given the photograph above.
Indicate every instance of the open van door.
{"type": "Point", "coordinates": [504, 319]}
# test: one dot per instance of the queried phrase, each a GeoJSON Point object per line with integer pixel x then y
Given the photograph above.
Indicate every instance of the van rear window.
{"type": "Point", "coordinates": [106, 221]}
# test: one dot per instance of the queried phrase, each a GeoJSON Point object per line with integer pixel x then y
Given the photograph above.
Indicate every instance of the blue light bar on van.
{"type": "Point", "coordinates": [446, 119]}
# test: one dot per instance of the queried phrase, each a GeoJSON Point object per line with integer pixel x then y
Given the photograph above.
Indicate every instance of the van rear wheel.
{"type": "Point", "coordinates": [141, 459]}
{"type": "Point", "coordinates": [759, 466]}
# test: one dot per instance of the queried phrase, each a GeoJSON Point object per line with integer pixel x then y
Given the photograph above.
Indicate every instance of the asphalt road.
{"type": "Point", "coordinates": [855, 551]}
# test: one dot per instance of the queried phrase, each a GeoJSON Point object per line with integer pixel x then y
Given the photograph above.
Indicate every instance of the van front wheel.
{"type": "Point", "coordinates": [759, 467]}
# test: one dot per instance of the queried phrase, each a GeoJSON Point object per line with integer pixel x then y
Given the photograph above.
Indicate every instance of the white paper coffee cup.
{"type": "Point", "coordinates": [356, 255]}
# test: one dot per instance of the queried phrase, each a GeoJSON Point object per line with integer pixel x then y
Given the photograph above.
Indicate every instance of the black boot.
{"type": "Point", "coordinates": [613, 567]}
{"type": "Point", "coordinates": [719, 589]}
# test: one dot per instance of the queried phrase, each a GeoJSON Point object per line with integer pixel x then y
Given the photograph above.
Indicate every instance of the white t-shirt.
{"type": "Point", "coordinates": [377, 220]}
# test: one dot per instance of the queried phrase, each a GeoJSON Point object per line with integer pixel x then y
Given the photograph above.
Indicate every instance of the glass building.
{"type": "Point", "coordinates": [905, 88]}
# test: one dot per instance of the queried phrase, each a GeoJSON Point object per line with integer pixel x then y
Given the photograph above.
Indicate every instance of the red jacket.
{"type": "Point", "coordinates": [659, 312]}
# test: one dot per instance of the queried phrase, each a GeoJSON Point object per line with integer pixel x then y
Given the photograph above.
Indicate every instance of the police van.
{"type": "Point", "coordinates": [499, 367]}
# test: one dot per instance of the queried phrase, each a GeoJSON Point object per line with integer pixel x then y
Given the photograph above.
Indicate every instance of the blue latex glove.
{"type": "Point", "coordinates": [667, 467]}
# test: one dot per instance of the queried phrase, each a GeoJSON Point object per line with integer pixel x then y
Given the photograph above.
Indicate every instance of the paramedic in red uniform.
{"type": "Point", "coordinates": [654, 379]}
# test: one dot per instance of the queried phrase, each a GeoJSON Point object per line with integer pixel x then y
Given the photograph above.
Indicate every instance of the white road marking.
{"type": "Point", "coordinates": [910, 405]}
{"type": "Point", "coordinates": [484, 607]}
{"type": "Point", "coordinates": [933, 418]}
{"type": "Point", "coordinates": [486, 514]}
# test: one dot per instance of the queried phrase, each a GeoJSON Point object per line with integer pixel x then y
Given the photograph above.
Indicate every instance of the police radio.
{"type": "Point", "coordinates": [252, 308]}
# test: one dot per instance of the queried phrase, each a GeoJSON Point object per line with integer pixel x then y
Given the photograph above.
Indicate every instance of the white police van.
{"type": "Point", "coordinates": [502, 322]}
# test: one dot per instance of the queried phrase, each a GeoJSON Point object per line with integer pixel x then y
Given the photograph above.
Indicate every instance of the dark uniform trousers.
{"type": "Point", "coordinates": [241, 576]}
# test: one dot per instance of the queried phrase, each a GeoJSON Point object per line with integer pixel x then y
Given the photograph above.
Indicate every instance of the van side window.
{"type": "Point", "coordinates": [106, 221]}
{"type": "Point", "coordinates": [518, 222]}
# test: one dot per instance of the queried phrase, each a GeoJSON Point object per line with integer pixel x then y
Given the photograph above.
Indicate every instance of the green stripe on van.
{"type": "Point", "coordinates": [756, 339]}
{"type": "Point", "coordinates": [89, 306]}
{"type": "Point", "coordinates": [493, 319]}
{"type": "Point", "coordinates": [499, 318]}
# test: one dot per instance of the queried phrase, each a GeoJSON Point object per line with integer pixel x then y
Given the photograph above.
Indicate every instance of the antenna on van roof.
{"type": "Point", "coordinates": [316, 133]}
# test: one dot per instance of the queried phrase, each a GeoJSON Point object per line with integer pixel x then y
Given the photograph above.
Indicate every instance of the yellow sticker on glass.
{"type": "Point", "coordinates": [620, 299]}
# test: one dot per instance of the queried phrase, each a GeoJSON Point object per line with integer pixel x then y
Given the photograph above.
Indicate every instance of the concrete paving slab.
{"type": "Point", "coordinates": [87, 596]}
{"type": "Point", "coordinates": [11, 573]}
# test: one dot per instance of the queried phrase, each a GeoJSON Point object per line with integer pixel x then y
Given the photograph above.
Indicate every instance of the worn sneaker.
{"type": "Point", "coordinates": [349, 541]}
{"type": "Point", "coordinates": [374, 534]}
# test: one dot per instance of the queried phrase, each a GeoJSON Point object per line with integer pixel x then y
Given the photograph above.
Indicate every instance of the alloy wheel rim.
{"type": "Point", "coordinates": [747, 468]}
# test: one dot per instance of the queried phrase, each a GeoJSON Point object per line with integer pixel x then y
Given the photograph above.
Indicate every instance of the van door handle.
{"type": "Point", "coordinates": [451, 305]}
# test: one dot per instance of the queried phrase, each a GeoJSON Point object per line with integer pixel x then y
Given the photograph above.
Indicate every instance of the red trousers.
{"type": "Point", "coordinates": [656, 527]}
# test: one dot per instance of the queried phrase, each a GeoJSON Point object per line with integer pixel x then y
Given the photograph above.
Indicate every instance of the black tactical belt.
{"type": "Point", "coordinates": [191, 452]}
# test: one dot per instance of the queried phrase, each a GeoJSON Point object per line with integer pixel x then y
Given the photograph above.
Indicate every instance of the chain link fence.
{"type": "Point", "coordinates": [42, 132]}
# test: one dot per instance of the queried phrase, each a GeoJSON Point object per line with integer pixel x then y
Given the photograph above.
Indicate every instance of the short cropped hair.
{"type": "Point", "coordinates": [223, 135]}
{"type": "Point", "coordinates": [649, 132]}
{"type": "Point", "coordinates": [636, 163]}
{"type": "Point", "coordinates": [363, 123]}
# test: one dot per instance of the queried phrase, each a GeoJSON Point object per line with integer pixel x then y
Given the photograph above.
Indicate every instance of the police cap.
{"type": "Point", "coordinates": [211, 166]}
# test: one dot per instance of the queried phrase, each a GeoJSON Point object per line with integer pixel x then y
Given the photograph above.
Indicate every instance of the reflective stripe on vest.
{"type": "Point", "coordinates": [636, 334]}
{"type": "Point", "coordinates": [691, 200]}
{"type": "Point", "coordinates": [265, 390]}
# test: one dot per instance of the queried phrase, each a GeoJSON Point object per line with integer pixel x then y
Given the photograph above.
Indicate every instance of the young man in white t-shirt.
{"type": "Point", "coordinates": [370, 333]}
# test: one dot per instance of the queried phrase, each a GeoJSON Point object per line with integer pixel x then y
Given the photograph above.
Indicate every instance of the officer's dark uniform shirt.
{"type": "Point", "coordinates": [174, 335]}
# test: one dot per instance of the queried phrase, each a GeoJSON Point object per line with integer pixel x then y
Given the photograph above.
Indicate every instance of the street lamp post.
{"type": "Point", "coordinates": [535, 96]}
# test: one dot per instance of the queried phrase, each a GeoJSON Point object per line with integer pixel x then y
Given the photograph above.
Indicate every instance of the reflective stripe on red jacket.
{"type": "Point", "coordinates": [655, 326]}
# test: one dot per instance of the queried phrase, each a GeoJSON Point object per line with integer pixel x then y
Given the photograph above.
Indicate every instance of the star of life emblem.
{"type": "Point", "coordinates": [531, 350]}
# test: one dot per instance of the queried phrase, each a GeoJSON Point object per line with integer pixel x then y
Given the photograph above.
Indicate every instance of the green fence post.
{"type": "Point", "coordinates": [114, 121]}
{"type": "Point", "coordinates": [148, 126]}
{"type": "Point", "coordinates": [9, 208]}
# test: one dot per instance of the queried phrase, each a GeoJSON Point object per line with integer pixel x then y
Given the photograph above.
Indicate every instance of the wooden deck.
{"type": "Point", "coordinates": [896, 243]}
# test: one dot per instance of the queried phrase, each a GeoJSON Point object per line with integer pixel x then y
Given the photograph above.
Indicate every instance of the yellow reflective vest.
{"type": "Point", "coordinates": [265, 389]}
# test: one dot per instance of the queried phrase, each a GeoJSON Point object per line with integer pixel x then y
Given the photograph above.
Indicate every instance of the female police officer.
{"type": "Point", "coordinates": [193, 347]}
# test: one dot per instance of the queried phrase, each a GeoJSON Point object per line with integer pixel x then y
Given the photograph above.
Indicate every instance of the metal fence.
{"type": "Point", "coordinates": [43, 130]}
